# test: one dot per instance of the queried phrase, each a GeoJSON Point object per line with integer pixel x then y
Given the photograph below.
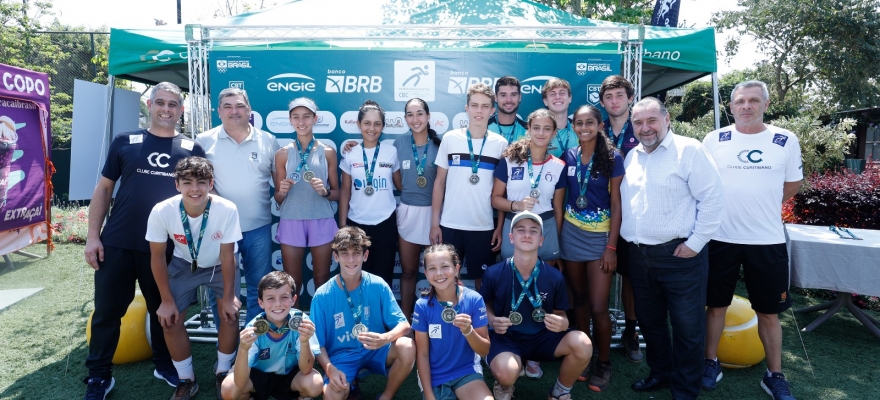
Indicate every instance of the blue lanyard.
{"type": "Point", "coordinates": [194, 247]}
{"type": "Point", "coordinates": [533, 181]}
{"type": "Point", "coordinates": [562, 137]}
{"type": "Point", "coordinates": [618, 138]}
{"type": "Point", "coordinates": [420, 165]}
{"type": "Point", "coordinates": [475, 163]}
{"type": "Point", "coordinates": [536, 300]}
{"type": "Point", "coordinates": [368, 172]}
{"type": "Point", "coordinates": [279, 330]}
{"type": "Point", "coordinates": [304, 155]}
{"type": "Point", "coordinates": [584, 180]}
{"type": "Point", "coordinates": [355, 312]}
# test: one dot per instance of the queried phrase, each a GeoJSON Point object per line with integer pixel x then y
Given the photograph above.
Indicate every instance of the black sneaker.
{"type": "Point", "coordinates": [711, 373]}
{"type": "Point", "coordinates": [185, 390]}
{"type": "Point", "coordinates": [168, 375]}
{"type": "Point", "coordinates": [600, 379]}
{"type": "Point", "coordinates": [220, 377]}
{"type": "Point", "coordinates": [630, 342]}
{"type": "Point", "coordinates": [776, 386]}
{"type": "Point", "coordinates": [98, 388]}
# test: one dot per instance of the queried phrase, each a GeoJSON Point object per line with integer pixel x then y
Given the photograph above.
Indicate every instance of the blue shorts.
{"type": "Point", "coordinates": [371, 360]}
{"type": "Point", "coordinates": [534, 347]}
{"type": "Point", "coordinates": [446, 391]}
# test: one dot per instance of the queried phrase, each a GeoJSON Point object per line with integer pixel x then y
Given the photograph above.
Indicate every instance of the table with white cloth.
{"type": "Point", "coordinates": [820, 259]}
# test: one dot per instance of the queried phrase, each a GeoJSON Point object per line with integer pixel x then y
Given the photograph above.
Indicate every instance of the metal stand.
{"type": "Point", "coordinates": [11, 265]}
{"type": "Point", "coordinates": [842, 300]}
{"type": "Point", "coordinates": [201, 327]}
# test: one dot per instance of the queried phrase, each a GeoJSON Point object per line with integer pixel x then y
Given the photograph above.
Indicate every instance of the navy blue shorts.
{"type": "Point", "coordinates": [539, 346]}
{"type": "Point", "coordinates": [272, 384]}
{"type": "Point", "coordinates": [474, 248]}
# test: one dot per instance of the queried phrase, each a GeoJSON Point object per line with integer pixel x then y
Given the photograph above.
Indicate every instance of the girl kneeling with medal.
{"type": "Point", "coordinates": [590, 231]}
{"type": "Point", "coordinates": [451, 332]}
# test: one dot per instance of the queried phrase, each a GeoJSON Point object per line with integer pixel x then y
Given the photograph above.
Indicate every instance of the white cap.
{"type": "Point", "coordinates": [526, 215]}
{"type": "Point", "coordinates": [303, 102]}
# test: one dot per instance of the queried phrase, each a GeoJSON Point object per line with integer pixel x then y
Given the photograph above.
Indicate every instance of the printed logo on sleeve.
{"type": "Point", "coordinates": [724, 136]}
{"type": "Point", "coordinates": [434, 331]}
{"type": "Point", "coordinates": [572, 170]}
{"type": "Point", "coordinates": [339, 320]}
{"type": "Point", "coordinates": [780, 139]}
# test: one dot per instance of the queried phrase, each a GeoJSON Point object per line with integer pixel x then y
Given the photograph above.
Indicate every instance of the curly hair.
{"type": "Point", "coordinates": [453, 256]}
{"type": "Point", "coordinates": [603, 160]}
{"type": "Point", "coordinates": [518, 151]}
{"type": "Point", "coordinates": [350, 238]}
{"type": "Point", "coordinates": [194, 167]}
{"type": "Point", "coordinates": [275, 280]}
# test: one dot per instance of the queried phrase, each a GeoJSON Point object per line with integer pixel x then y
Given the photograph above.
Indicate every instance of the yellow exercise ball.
{"type": "Point", "coordinates": [740, 345]}
{"type": "Point", "coordinates": [133, 345]}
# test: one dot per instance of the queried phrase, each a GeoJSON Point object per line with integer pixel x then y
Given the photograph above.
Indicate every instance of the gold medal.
{"type": "Point", "coordinates": [308, 175]}
{"type": "Point", "coordinates": [422, 181]}
{"type": "Point", "coordinates": [261, 326]}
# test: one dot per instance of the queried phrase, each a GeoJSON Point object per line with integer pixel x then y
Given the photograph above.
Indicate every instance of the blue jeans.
{"type": "Point", "coordinates": [256, 258]}
{"type": "Point", "coordinates": [666, 286]}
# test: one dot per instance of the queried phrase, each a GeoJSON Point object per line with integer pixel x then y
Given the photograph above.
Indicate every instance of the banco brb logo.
{"type": "Point", "coordinates": [414, 78]}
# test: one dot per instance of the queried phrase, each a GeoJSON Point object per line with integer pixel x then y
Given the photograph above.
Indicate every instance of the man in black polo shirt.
{"type": "Point", "coordinates": [143, 161]}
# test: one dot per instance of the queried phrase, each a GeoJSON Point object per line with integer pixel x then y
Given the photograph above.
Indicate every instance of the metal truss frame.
{"type": "Point", "coordinates": [201, 39]}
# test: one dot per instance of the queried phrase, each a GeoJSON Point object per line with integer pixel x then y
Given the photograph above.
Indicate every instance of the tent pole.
{"type": "Point", "coordinates": [715, 95]}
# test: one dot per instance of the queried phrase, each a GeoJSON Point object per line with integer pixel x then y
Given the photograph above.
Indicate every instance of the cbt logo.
{"type": "Point", "coordinates": [593, 94]}
{"type": "Point", "coordinates": [236, 84]}
{"type": "Point", "coordinates": [353, 84]}
{"type": "Point", "coordinates": [750, 156]}
{"type": "Point", "coordinates": [414, 78]}
{"type": "Point", "coordinates": [290, 82]}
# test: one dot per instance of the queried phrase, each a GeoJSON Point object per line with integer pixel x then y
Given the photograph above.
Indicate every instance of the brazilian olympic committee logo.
{"type": "Point", "coordinates": [750, 156]}
{"type": "Point", "coordinates": [414, 78]}
{"type": "Point", "coordinates": [221, 66]}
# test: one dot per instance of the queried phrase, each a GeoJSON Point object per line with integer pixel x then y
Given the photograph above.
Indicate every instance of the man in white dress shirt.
{"type": "Point", "coordinates": [672, 200]}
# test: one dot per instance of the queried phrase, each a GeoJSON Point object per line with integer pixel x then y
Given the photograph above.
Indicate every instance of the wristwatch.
{"type": "Point", "coordinates": [328, 192]}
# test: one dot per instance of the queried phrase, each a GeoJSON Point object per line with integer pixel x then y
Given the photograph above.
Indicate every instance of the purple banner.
{"type": "Point", "coordinates": [24, 138]}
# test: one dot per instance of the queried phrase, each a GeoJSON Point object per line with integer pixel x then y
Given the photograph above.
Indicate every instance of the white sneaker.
{"type": "Point", "coordinates": [533, 370]}
{"type": "Point", "coordinates": [502, 392]}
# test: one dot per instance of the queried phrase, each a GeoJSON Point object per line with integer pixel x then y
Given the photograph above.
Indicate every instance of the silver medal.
{"type": "Point", "coordinates": [358, 329]}
{"type": "Point", "coordinates": [474, 179]}
{"type": "Point", "coordinates": [538, 315]}
{"type": "Point", "coordinates": [515, 318]}
{"type": "Point", "coordinates": [369, 190]}
{"type": "Point", "coordinates": [581, 202]}
{"type": "Point", "coordinates": [309, 175]}
{"type": "Point", "coordinates": [535, 193]}
{"type": "Point", "coordinates": [295, 321]}
{"type": "Point", "coordinates": [295, 176]}
{"type": "Point", "coordinates": [448, 314]}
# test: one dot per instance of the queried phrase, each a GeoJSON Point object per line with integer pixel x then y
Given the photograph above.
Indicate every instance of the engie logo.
{"type": "Point", "coordinates": [536, 85]}
{"type": "Point", "coordinates": [353, 84]}
{"type": "Point", "coordinates": [290, 82]}
{"type": "Point", "coordinates": [414, 78]}
{"type": "Point", "coordinates": [23, 84]}
{"type": "Point", "coordinates": [750, 156]}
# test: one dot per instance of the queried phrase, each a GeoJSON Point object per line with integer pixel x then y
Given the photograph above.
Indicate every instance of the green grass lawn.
{"type": "Point", "coordinates": [39, 332]}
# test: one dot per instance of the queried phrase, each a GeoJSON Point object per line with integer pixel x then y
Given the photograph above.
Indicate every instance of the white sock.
{"type": "Point", "coordinates": [559, 389]}
{"type": "Point", "coordinates": [185, 368]}
{"type": "Point", "coordinates": [224, 362]}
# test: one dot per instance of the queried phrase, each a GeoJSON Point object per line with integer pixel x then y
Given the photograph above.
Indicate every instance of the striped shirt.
{"type": "Point", "coordinates": [673, 192]}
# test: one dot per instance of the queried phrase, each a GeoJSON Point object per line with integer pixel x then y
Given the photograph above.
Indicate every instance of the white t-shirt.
{"type": "Point", "coordinates": [753, 169]}
{"type": "Point", "coordinates": [516, 177]}
{"type": "Point", "coordinates": [371, 210]}
{"type": "Point", "coordinates": [467, 206]}
{"type": "Point", "coordinates": [223, 227]}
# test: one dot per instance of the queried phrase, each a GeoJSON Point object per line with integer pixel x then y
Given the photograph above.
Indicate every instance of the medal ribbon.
{"type": "Point", "coordinates": [194, 248]}
{"type": "Point", "coordinates": [368, 172]}
{"type": "Point", "coordinates": [304, 155]}
{"type": "Point", "coordinates": [584, 181]}
{"type": "Point", "coordinates": [534, 182]}
{"type": "Point", "coordinates": [562, 137]}
{"type": "Point", "coordinates": [449, 303]}
{"type": "Point", "coordinates": [420, 165]}
{"type": "Point", "coordinates": [619, 138]}
{"type": "Point", "coordinates": [355, 312]}
{"type": "Point", "coordinates": [475, 163]}
{"type": "Point", "coordinates": [536, 300]}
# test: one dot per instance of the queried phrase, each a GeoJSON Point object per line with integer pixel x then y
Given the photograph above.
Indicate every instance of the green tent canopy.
{"type": "Point", "coordinates": [671, 56]}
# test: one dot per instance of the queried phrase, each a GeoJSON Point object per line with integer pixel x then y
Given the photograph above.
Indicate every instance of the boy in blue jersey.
{"type": "Point", "coordinates": [280, 361]}
{"type": "Point", "coordinates": [359, 324]}
{"type": "Point", "coordinates": [517, 291]}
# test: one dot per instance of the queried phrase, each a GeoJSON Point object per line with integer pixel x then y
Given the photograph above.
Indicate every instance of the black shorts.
{"type": "Point", "coordinates": [540, 346]}
{"type": "Point", "coordinates": [622, 257]}
{"type": "Point", "coordinates": [474, 249]}
{"type": "Point", "coordinates": [765, 272]}
{"type": "Point", "coordinates": [272, 384]}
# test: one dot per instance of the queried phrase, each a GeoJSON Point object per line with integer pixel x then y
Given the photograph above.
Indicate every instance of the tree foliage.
{"type": "Point", "coordinates": [625, 11]}
{"type": "Point", "coordinates": [830, 47]}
